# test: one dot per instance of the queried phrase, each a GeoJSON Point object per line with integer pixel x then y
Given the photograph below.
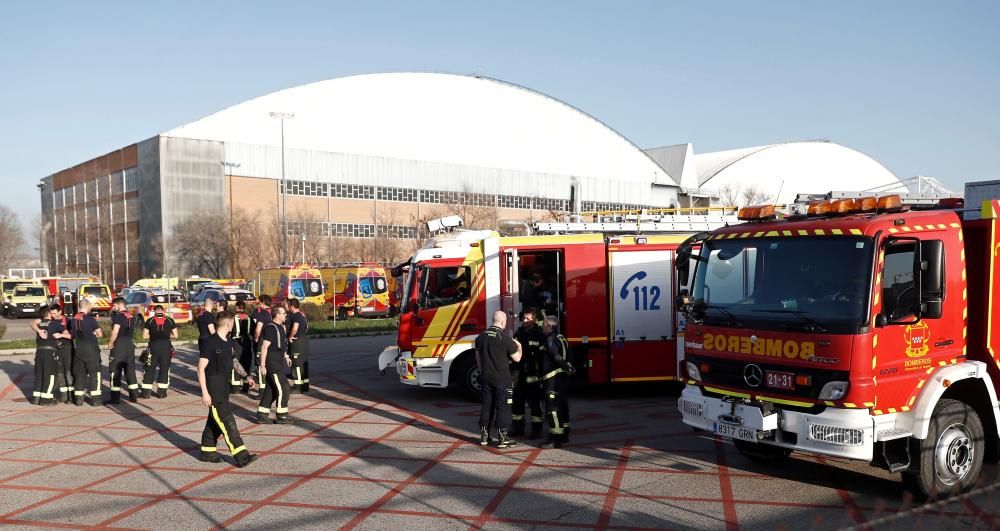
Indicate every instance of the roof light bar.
{"type": "Point", "coordinates": [890, 203]}
{"type": "Point", "coordinates": [757, 213]}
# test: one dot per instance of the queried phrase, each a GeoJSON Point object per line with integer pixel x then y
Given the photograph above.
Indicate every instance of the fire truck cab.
{"type": "Point", "coordinates": [612, 292]}
{"type": "Point", "coordinates": [854, 327]}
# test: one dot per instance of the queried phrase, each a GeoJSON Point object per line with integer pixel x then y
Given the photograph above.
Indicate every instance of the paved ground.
{"type": "Point", "coordinates": [367, 452]}
{"type": "Point", "coordinates": [17, 328]}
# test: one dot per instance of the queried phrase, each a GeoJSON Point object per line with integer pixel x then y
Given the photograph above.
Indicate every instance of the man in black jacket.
{"type": "Point", "coordinates": [494, 352]}
{"type": "Point", "coordinates": [556, 370]}
{"type": "Point", "coordinates": [215, 364]}
{"type": "Point", "coordinates": [524, 373]}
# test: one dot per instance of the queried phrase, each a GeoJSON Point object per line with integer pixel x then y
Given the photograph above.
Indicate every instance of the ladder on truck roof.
{"type": "Point", "coordinates": [908, 199]}
{"type": "Point", "coordinates": [644, 222]}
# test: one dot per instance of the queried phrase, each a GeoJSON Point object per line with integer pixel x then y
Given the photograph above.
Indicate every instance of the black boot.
{"type": "Point", "coordinates": [304, 388]}
{"type": "Point", "coordinates": [161, 393]}
{"type": "Point", "coordinates": [260, 418]}
{"type": "Point", "coordinates": [115, 397]}
{"type": "Point", "coordinates": [554, 441]}
{"type": "Point", "coordinates": [209, 457]}
{"type": "Point", "coordinates": [36, 400]}
{"type": "Point", "coordinates": [281, 419]}
{"type": "Point", "coordinates": [505, 440]}
{"type": "Point", "coordinates": [536, 431]}
{"type": "Point", "coordinates": [484, 436]}
{"type": "Point", "coordinates": [145, 393]}
{"type": "Point", "coordinates": [517, 429]}
{"type": "Point", "coordinates": [133, 395]}
{"type": "Point", "coordinates": [96, 401]}
{"type": "Point", "coordinates": [244, 458]}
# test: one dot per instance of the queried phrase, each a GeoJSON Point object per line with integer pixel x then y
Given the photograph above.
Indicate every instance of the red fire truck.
{"type": "Point", "coordinates": [855, 327]}
{"type": "Point", "coordinates": [613, 293]}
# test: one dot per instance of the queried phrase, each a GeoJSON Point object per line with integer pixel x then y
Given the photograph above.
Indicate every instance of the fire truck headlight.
{"type": "Point", "coordinates": [693, 372]}
{"type": "Point", "coordinates": [834, 391]}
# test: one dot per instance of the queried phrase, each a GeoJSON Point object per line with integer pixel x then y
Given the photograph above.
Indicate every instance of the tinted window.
{"type": "Point", "coordinates": [442, 286]}
{"type": "Point", "coordinates": [899, 293]}
{"type": "Point", "coordinates": [97, 291]}
{"type": "Point", "coordinates": [30, 291]}
{"type": "Point", "coordinates": [301, 288]}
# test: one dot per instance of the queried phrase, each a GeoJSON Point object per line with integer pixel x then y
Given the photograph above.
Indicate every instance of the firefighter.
{"type": "Point", "coordinates": [556, 370]}
{"type": "Point", "coordinates": [159, 330]}
{"type": "Point", "coordinates": [87, 361]}
{"type": "Point", "coordinates": [45, 360]}
{"type": "Point", "coordinates": [298, 347]}
{"type": "Point", "coordinates": [536, 294]}
{"type": "Point", "coordinates": [524, 375]}
{"type": "Point", "coordinates": [121, 362]}
{"type": "Point", "coordinates": [58, 331]}
{"type": "Point", "coordinates": [494, 352]}
{"type": "Point", "coordinates": [242, 336]}
{"type": "Point", "coordinates": [274, 361]}
{"type": "Point", "coordinates": [261, 317]}
{"type": "Point", "coordinates": [206, 322]}
{"type": "Point", "coordinates": [216, 361]}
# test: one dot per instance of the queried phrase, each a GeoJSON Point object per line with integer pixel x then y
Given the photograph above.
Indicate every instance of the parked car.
{"type": "Point", "coordinates": [174, 304]}
{"type": "Point", "coordinates": [229, 296]}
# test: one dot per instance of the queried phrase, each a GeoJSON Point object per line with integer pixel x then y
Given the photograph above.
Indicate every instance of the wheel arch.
{"type": "Point", "coordinates": [969, 383]}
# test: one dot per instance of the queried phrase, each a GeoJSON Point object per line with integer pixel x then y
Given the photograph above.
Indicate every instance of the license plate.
{"type": "Point", "coordinates": [780, 380]}
{"type": "Point", "coordinates": [732, 431]}
{"type": "Point", "coordinates": [27, 310]}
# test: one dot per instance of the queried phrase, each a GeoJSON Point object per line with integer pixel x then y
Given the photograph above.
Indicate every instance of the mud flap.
{"type": "Point", "coordinates": [388, 358]}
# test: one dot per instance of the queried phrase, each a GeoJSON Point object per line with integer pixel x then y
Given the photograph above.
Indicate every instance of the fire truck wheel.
{"type": "Point", "coordinates": [761, 453]}
{"type": "Point", "coordinates": [465, 376]}
{"type": "Point", "coordinates": [949, 460]}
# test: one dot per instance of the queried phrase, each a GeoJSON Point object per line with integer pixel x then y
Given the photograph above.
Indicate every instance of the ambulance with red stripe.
{"type": "Point", "coordinates": [853, 327]}
{"type": "Point", "coordinates": [613, 293]}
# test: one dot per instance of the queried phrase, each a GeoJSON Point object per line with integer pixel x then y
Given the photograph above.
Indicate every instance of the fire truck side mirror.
{"type": "Point", "coordinates": [932, 278]}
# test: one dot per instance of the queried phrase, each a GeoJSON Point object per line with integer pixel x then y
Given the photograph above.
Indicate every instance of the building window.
{"type": "Point", "coordinates": [408, 195]}
{"type": "Point", "coordinates": [131, 179]}
{"type": "Point", "coordinates": [132, 210]}
{"type": "Point", "coordinates": [117, 183]}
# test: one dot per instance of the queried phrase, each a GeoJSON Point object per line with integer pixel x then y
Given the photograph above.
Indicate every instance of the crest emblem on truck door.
{"type": "Point", "coordinates": [753, 375]}
{"type": "Point", "coordinates": [917, 337]}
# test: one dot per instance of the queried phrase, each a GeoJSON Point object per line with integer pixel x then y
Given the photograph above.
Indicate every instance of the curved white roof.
{"type": "Point", "coordinates": [435, 117]}
{"type": "Point", "coordinates": [784, 170]}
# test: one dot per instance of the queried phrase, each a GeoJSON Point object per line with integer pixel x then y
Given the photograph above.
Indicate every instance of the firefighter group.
{"type": "Point", "coordinates": [271, 343]}
{"type": "Point", "coordinates": [522, 373]}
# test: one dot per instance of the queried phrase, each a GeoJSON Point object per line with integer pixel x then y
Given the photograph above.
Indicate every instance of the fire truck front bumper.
{"type": "Point", "coordinates": [424, 372]}
{"type": "Point", "coordinates": [838, 432]}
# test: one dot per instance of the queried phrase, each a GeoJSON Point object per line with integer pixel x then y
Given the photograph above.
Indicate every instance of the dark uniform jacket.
{"type": "Point", "coordinates": [554, 356]}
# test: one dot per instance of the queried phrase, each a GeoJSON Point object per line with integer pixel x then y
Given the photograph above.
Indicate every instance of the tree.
{"type": "Point", "coordinates": [752, 195]}
{"type": "Point", "coordinates": [11, 237]}
{"type": "Point", "coordinates": [732, 195]}
{"type": "Point", "coordinates": [201, 244]}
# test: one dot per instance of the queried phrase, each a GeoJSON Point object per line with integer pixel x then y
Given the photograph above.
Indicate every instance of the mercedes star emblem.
{"type": "Point", "coordinates": [753, 340]}
{"type": "Point", "coordinates": [753, 376]}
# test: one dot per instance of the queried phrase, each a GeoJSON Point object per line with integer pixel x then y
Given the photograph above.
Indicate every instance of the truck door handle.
{"type": "Point", "coordinates": [419, 321]}
{"type": "Point", "coordinates": [944, 343]}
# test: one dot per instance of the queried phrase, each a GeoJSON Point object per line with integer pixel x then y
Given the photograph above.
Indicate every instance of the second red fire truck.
{"type": "Point", "coordinates": [613, 293]}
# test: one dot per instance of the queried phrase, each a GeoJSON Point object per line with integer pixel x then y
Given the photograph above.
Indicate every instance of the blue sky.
{"type": "Point", "coordinates": [914, 84]}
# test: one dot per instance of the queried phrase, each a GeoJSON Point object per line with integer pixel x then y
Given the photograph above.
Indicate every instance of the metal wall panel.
{"type": "Point", "coordinates": [305, 165]}
{"type": "Point", "coordinates": [191, 181]}
{"type": "Point", "coordinates": [150, 209]}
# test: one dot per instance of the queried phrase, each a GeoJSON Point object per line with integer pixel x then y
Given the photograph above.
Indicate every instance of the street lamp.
{"type": "Point", "coordinates": [284, 229]}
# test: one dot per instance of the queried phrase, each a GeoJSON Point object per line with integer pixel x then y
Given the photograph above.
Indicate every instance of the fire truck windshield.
{"type": "Point", "coordinates": [804, 284]}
